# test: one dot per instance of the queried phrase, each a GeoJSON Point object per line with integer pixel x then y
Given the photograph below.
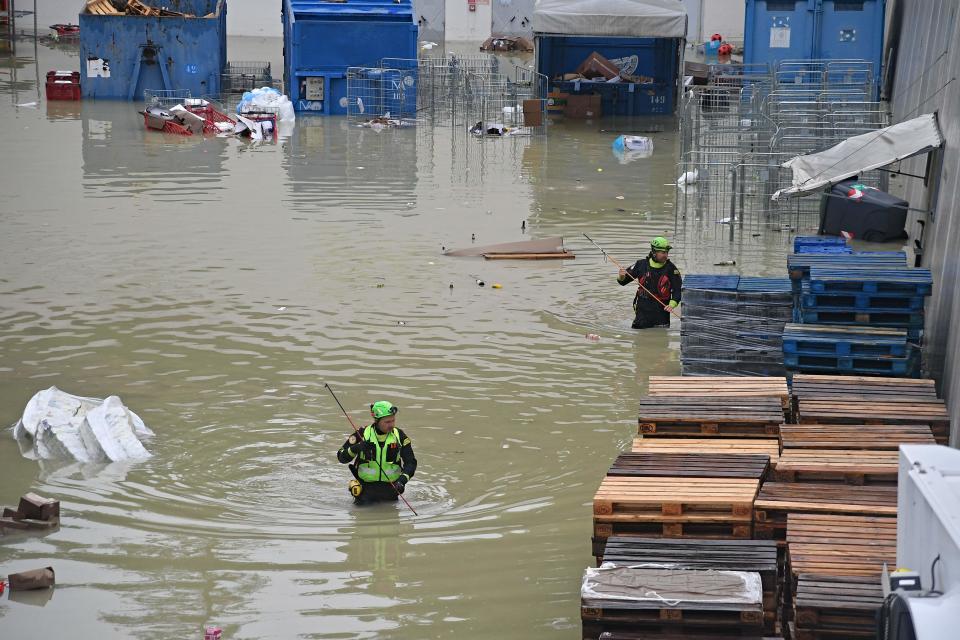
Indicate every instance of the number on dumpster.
{"type": "Point", "coordinates": [192, 68]}
{"type": "Point", "coordinates": [658, 99]}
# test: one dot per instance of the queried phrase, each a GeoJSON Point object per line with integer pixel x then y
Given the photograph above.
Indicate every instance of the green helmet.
{"type": "Point", "coordinates": [660, 244]}
{"type": "Point", "coordinates": [382, 409]}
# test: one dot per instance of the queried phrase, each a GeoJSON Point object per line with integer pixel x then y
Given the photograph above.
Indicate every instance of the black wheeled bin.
{"type": "Point", "coordinates": [867, 213]}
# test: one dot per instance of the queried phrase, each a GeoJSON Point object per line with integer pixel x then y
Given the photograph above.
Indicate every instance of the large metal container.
{"type": "Point", "coordinates": [654, 58]}
{"type": "Point", "coordinates": [777, 30]}
{"type": "Point", "coordinates": [322, 39]}
{"type": "Point", "coordinates": [123, 55]}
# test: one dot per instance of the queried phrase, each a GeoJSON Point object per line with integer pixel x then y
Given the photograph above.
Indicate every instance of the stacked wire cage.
{"type": "Point", "coordinates": [739, 129]}
{"type": "Point", "coordinates": [238, 77]}
{"type": "Point", "coordinates": [455, 90]}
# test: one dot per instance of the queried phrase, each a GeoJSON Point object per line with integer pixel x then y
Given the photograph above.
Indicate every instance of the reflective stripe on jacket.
{"type": "Point", "coordinates": [381, 469]}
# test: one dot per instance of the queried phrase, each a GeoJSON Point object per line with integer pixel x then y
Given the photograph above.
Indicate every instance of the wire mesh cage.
{"type": "Point", "coordinates": [165, 97]}
{"type": "Point", "coordinates": [238, 77]}
{"type": "Point", "coordinates": [737, 132]}
{"type": "Point", "coordinates": [454, 90]}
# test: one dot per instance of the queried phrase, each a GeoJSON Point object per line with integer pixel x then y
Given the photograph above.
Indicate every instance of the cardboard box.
{"type": "Point", "coordinates": [35, 507]}
{"type": "Point", "coordinates": [596, 66]}
{"type": "Point", "coordinates": [532, 113]}
{"type": "Point", "coordinates": [36, 579]}
{"type": "Point", "coordinates": [583, 106]}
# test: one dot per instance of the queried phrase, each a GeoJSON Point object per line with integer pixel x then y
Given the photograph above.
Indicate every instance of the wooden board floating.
{"type": "Point", "coordinates": [848, 436]}
{"type": "Point", "coordinates": [565, 255]}
{"type": "Point", "coordinates": [690, 465]}
{"type": "Point", "coordinates": [747, 446]}
{"type": "Point", "coordinates": [838, 465]}
{"type": "Point", "coordinates": [726, 386]}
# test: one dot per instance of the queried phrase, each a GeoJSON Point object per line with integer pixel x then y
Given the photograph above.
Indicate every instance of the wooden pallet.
{"type": "Point", "coordinates": [849, 436]}
{"type": "Point", "coordinates": [725, 386]}
{"type": "Point", "coordinates": [674, 585]}
{"type": "Point", "coordinates": [777, 500]}
{"type": "Point", "coordinates": [714, 416]}
{"type": "Point", "coordinates": [703, 465]}
{"type": "Point", "coordinates": [758, 556]}
{"type": "Point", "coordinates": [839, 545]}
{"type": "Point", "coordinates": [836, 607]}
{"type": "Point", "coordinates": [821, 386]}
{"type": "Point", "coordinates": [603, 531]}
{"type": "Point", "coordinates": [674, 635]}
{"type": "Point", "coordinates": [669, 499]}
{"type": "Point", "coordinates": [838, 465]}
{"type": "Point", "coordinates": [760, 446]}
{"type": "Point", "coordinates": [877, 411]}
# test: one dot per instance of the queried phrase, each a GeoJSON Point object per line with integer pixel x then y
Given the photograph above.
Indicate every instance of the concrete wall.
{"type": "Point", "coordinates": [706, 17]}
{"type": "Point", "coordinates": [463, 24]}
{"type": "Point", "coordinates": [927, 34]}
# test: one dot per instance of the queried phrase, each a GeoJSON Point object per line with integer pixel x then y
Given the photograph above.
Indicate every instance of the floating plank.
{"type": "Point", "coordinates": [565, 255]}
{"type": "Point", "coordinates": [702, 465]}
{"type": "Point", "coordinates": [777, 500]}
{"type": "Point", "coordinates": [760, 446]}
{"type": "Point", "coordinates": [727, 386]}
{"type": "Point", "coordinates": [849, 436]}
{"type": "Point", "coordinates": [859, 466]}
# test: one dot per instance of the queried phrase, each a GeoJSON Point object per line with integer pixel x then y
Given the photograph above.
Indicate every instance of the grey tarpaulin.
{"type": "Point", "coordinates": [628, 18]}
{"type": "Point", "coordinates": [861, 153]}
{"type": "Point", "coordinates": [670, 587]}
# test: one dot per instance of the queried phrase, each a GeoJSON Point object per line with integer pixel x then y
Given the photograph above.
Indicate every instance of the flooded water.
{"type": "Point", "coordinates": [216, 286]}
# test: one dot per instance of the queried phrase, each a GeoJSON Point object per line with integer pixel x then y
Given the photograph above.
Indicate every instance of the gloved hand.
{"type": "Point", "coordinates": [401, 483]}
{"type": "Point", "coordinates": [364, 447]}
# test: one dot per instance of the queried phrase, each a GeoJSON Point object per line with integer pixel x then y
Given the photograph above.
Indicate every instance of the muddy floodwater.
{"type": "Point", "coordinates": [216, 285]}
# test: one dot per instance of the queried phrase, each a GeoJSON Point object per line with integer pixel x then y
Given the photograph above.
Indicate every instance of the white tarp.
{"type": "Point", "coordinates": [630, 18]}
{"type": "Point", "coordinates": [861, 153]}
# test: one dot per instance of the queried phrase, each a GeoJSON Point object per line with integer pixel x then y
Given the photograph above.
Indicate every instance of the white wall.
{"type": "Point", "coordinates": [463, 24]}
{"type": "Point", "coordinates": [254, 18]}
{"type": "Point", "coordinates": [725, 17]}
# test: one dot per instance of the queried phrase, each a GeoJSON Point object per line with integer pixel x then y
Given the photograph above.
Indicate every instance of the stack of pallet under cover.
{"type": "Point", "coordinates": [682, 503]}
{"type": "Point", "coordinates": [794, 494]}
{"type": "Point", "coordinates": [733, 325]}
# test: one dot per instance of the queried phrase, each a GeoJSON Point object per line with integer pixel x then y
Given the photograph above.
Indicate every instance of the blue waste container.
{"type": "Point", "coordinates": [777, 30]}
{"type": "Point", "coordinates": [322, 39]}
{"type": "Point", "coordinates": [654, 59]}
{"type": "Point", "coordinates": [121, 56]}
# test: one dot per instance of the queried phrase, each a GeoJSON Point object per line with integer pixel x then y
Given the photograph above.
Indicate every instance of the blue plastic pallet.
{"type": "Point", "coordinates": [810, 346]}
{"type": "Point", "coordinates": [860, 301]}
{"type": "Point", "coordinates": [764, 285]}
{"type": "Point", "coordinates": [900, 320]}
{"type": "Point", "coordinates": [809, 242]}
{"type": "Point", "coordinates": [711, 282]}
{"type": "Point", "coordinates": [916, 282]}
{"type": "Point", "coordinates": [800, 264]}
{"type": "Point", "coordinates": [890, 366]}
{"type": "Point", "coordinates": [825, 249]}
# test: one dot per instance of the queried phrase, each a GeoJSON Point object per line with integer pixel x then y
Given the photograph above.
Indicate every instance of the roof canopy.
{"type": "Point", "coordinates": [861, 153]}
{"type": "Point", "coordinates": [636, 18]}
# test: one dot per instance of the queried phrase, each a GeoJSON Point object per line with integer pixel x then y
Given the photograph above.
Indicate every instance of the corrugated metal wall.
{"type": "Point", "coordinates": [926, 70]}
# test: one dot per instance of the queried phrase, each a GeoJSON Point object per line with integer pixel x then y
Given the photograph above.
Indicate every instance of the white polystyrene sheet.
{"type": "Point", "coordinates": [59, 425]}
{"type": "Point", "coordinates": [672, 587]}
{"type": "Point", "coordinates": [625, 18]}
{"type": "Point", "coordinates": [865, 152]}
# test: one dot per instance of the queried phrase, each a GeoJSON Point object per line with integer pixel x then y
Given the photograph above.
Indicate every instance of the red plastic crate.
{"type": "Point", "coordinates": [63, 85]}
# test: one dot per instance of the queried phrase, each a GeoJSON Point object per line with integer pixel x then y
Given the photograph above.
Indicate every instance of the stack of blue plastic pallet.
{"type": "Point", "coordinates": [733, 325]}
{"type": "Point", "coordinates": [858, 313]}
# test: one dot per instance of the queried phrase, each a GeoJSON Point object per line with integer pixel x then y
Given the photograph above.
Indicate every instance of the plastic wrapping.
{"type": "Point", "coordinates": [733, 325]}
{"type": "Point", "coordinates": [267, 98]}
{"type": "Point", "coordinates": [671, 587]}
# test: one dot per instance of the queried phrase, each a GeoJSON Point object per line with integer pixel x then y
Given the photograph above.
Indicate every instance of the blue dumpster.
{"type": "Point", "coordinates": [841, 30]}
{"type": "Point", "coordinates": [321, 39]}
{"type": "Point", "coordinates": [123, 55]}
{"type": "Point", "coordinates": [642, 38]}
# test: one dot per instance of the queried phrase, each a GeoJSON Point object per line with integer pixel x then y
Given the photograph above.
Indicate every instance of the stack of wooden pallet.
{"type": "Point", "coordinates": [836, 607]}
{"type": "Point", "coordinates": [677, 495]}
{"type": "Point", "coordinates": [727, 386]}
{"type": "Point", "coordinates": [870, 400]}
{"type": "Point", "coordinates": [830, 553]}
{"type": "Point", "coordinates": [758, 556]}
{"type": "Point", "coordinates": [776, 501]}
